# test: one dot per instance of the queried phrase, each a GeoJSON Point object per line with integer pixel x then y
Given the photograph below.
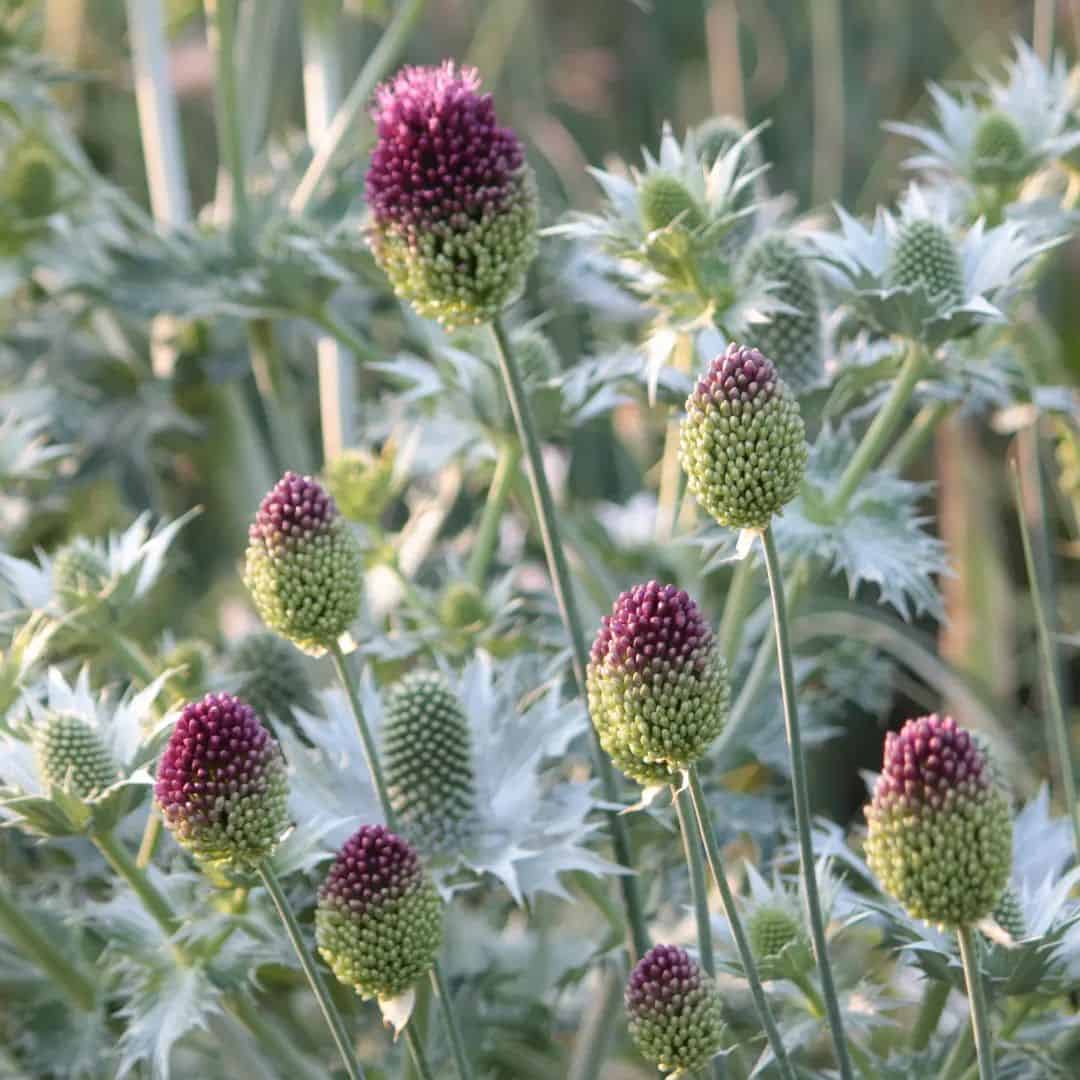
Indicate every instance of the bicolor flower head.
{"type": "Point", "coordinates": [940, 831]}
{"type": "Point", "coordinates": [657, 684]}
{"type": "Point", "coordinates": [304, 567]}
{"type": "Point", "coordinates": [743, 443]}
{"type": "Point", "coordinates": [379, 920]}
{"type": "Point", "coordinates": [675, 1014]}
{"type": "Point", "coordinates": [428, 761]}
{"type": "Point", "coordinates": [453, 201]}
{"type": "Point", "coordinates": [272, 677]}
{"type": "Point", "coordinates": [221, 784]}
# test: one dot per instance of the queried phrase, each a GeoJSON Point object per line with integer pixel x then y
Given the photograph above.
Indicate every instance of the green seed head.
{"type": "Point", "coordinates": [663, 198]}
{"type": "Point", "coordinates": [190, 660]}
{"type": "Point", "coordinates": [30, 183]}
{"type": "Point", "coordinates": [771, 929]}
{"type": "Point", "coordinates": [67, 746]}
{"type": "Point", "coordinates": [999, 151]}
{"type": "Point", "coordinates": [79, 573]}
{"type": "Point", "coordinates": [462, 606]}
{"type": "Point", "coordinates": [1009, 914]}
{"type": "Point", "coordinates": [361, 484]}
{"type": "Point", "coordinates": [716, 137]}
{"type": "Point", "coordinates": [924, 257]}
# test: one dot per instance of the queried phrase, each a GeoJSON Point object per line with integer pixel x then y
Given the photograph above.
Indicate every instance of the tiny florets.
{"type": "Point", "coordinates": [999, 151]}
{"type": "Point", "coordinates": [68, 749]}
{"type": "Point", "coordinates": [925, 258]}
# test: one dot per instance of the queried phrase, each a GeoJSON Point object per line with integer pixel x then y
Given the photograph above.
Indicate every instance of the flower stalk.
{"type": "Point", "coordinates": [980, 1021]}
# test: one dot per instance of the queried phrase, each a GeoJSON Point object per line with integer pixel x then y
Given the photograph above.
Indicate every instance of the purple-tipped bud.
{"type": "Point", "coordinates": [452, 199]}
{"type": "Point", "coordinates": [657, 684]}
{"type": "Point", "coordinates": [940, 832]}
{"type": "Point", "coordinates": [379, 920]}
{"type": "Point", "coordinates": [221, 783]}
{"type": "Point", "coordinates": [674, 1010]}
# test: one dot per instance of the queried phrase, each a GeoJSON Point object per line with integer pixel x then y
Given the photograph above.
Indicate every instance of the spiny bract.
{"type": "Point", "coordinates": [924, 257]}
{"type": "Point", "coordinates": [66, 746]}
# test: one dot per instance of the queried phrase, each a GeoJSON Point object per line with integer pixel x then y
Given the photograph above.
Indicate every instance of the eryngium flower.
{"type": "Point", "coordinates": [68, 748]}
{"type": "Point", "coordinates": [1000, 156]}
{"type": "Point", "coordinates": [79, 573]}
{"type": "Point", "coordinates": [221, 784]}
{"type": "Point", "coordinates": [379, 922]}
{"type": "Point", "coordinates": [453, 201]}
{"type": "Point", "coordinates": [428, 761]}
{"type": "Point", "coordinates": [304, 566]}
{"type": "Point", "coordinates": [462, 605]}
{"type": "Point", "coordinates": [361, 483]}
{"type": "Point", "coordinates": [273, 679]}
{"type": "Point", "coordinates": [657, 684]}
{"type": "Point", "coordinates": [674, 1009]}
{"type": "Point", "coordinates": [664, 199]}
{"type": "Point", "coordinates": [794, 338]}
{"type": "Point", "coordinates": [1009, 914]}
{"type": "Point", "coordinates": [940, 836]}
{"type": "Point", "coordinates": [743, 444]}
{"type": "Point", "coordinates": [925, 257]}
{"type": "Point", "coordinates": [771, 929]}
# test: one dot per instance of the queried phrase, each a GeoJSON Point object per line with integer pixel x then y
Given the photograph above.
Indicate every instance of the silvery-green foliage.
{"type": "Point", "coordinates": [25, 450]}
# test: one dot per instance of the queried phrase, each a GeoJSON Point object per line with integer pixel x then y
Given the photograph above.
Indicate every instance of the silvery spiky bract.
{"type": "Point", "coordinates": [452, 199]}
{"type": "Point", "coordinates": [25, 450]}
{"type": "Point", "coordinates": [674, 1011]}
{"type": "Point", "coordinates": [378, 923]}
{"type": "Point", "coordinates": [657, 684]}
{"type": "Point", "coordinates": [940, 831]}
{"type": "Point", "coordinates": [742, 444]}
{"type": "Point", "coordinates": [304, 567]}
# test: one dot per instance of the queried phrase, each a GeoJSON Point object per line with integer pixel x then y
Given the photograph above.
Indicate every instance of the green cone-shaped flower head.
{"type": "Point", "coordinates": [79, 573]}
{"type": "Point", "coordinates": [771, 928]}
{"type": "Point", "coordinates": [1009, 913]}
{"type": "Point", "coordinates": [29, 182]}
{"type": "Point", "coordinates": [657, 684]}
{"type": "Point", "coordinates": [361, 484]}
{"type": "Point", "coordinates": [999, 151]}
{"type": "Point", "coordinates": [304, 566]}
{"type": "Point", "coordinates": [221, 784]}
{"type": "Point", "coordinates": [274, 680]}
{"type": "Point", "coordinates": [940, 836]}
{"type": "Point", "coordinates": [462, 605]}
{"type": "Point", "coordinates": [924, 257]}
{"type": "Point", "coordinates": [66, 746]}
{"type": "Point", "coordinates": [428, 761]}
{"type": "Point", "coordinates": [453, 201]}
{"type": "Point", "coordinates": [379, 920]}
{"type": "Point", "coordinates": [743, 444]}
{"type": "Point", "coordinates": [664, 198]}
{"type": "Point", "coordinates": [793, 339]}
{"type": "Point", "coordinates": [674, 1009]}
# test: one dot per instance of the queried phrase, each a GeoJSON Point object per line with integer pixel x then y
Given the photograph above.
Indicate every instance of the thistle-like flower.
{"type": "Point", "coordinates": [221, 784]}
{"type": "Point", "coordinates": [361, 484]}
{"type": "Point", "coordinates": [924, 260]}
{"type": "Point", "coordinates": [940, 831]}
{"type": "Point", "coordinates": [743, 443]}
{"type": "Point", "coordinates": [452, 199]}
{"type": "Point", "coordinates": [771, 929]}
{"type": "Point", "coordinates": [304, 567]}
{"type": "Point", "coordinates": [72, 753]}
{"type": "Point", "coordinates": [428, 761]}
{"type": "Point", "coordinates": [675, 1014]}
{"type": "Point", "coordinates": [657, 684]}
{"type": "Point", "coordinates": [379, 919]}
{"type": "Point", "coordinates": [272, 678]}
{"type": "Point", "coordinates": [463, 606]}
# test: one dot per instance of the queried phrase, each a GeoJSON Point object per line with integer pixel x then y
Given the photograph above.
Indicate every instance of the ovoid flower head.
{"type": "Point", "coordinates": [304, 567]}
{"type": "Point", "coordinates": [771, 929]}
{"type": "Point", "coordinates": [221, 784]}
{"type": "Point", "coordinates": [657, 684]}
{"type": "Point", "coordinates": [1000, 156]}
{"type": "Point", "coordinates": [743, 444]}
{"type": "Point", "coordinates": [924, 257]}
{"type": "Point", "coordinates": [378, 923]}
{"type": "Point", "coordinates": [69, 749]}
{"type": "Point", "coordinates": [452, 200]}
{"type": "Point", "coordinates": [674, 1010]}
{"type": "Point", "coordinates": [940, 831]}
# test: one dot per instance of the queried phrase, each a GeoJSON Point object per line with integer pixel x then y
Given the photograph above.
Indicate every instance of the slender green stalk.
{"type": "Point", "coordinates": [594, 1032]}
{"type": "Point", "coordinates": [980, 1020]}
{"type": "Point", "coordinates": [801, 795]}
{"type": "Point", "coordinates": [33, 943]}
{"type": "Point", "coordinates": [1053, 687]}
{"type": "Point", "coordinates": [420, 1022]}
{"type": "Point", "coordinates": [278, 396]}
{"type": "Point", "coordinates": [736, 608]}
{"type": "Point", "coordinates": [487, 533]}
{"type": "Point", "coordinates": [827, 49]}
{"type": "Point", "coordinates": [416, 1053]}
{"type": "Point", "coordinates": [731, 913]}
{"type": "Point", "coordinates": [119, 858]}
{"type": "Point", "coordinates": [446, 1004]}
{"type": "Point", "coordinates": [311, 970]}
{"type": "Point", "coordinates": [933, 1005]}
{"type": "Point", "coordinates": [883, 427]}
{"type": "Point", "coordinates": [562, 583]}
{"type": "Point", "coordinates": [915, 439]}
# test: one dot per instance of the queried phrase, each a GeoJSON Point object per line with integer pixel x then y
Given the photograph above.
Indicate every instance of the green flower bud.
{"type": "Point", "coordinates": [771, 928]}
{"type": "Point", "coordinates": [191, 659]}
{"type": "Point", "coordinates": [663, 198]}
{"type": "Point", "coordinates": [30, 183]}
{"type": "Point", "coordinates": [462, 606]}
{"type": "Point", "coordinates": [66, 745]}
{"type": "Point", "coordinates": [924, 257]}
{"type": "Point", "coordinates": [361, 484]}
{"type": "Point", "coordinates": [79, 573]}
{"type": "Point", "coordinates": [1000, 156]}
{"type": "Point", "coordinates": [1009, 914]}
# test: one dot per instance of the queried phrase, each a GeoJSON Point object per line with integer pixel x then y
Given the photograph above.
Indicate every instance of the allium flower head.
{"type": "Point", "coordinates": [743, 443]}
{"type": "Point", "coordinates": [674, 1009]}
{"type": "Point", "coordinates": [221, 784]}
{"type": "Point", "coordinates": [304, 566]}
{"type": "Point", "coordinates": [379, 920]}
{"type": "Point", "coordinates": [657, 684]}
{"type": "Point", "coordinates": [940, 831]}
{"type": "Point", "coordinates": [452, 199]}
{"type": "Point", "coordinates": [69, 749]}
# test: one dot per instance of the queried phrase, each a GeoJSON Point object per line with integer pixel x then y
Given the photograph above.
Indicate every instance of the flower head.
{"type": "Point", "coordinates": [452, 200]}
{"type": "Point", "coordinates": [657, 684]}
{"type": "Point", "coordinates": [70, 750]}
{"type": "Point", "coordinates": [361, 483]}
{"type": "Point", "coordinates": [272, 677]}
{"type": "Point", "coordinates": [221, 783]}
{"type": "Point", "coordinates": [674, 1009]}
{"type": "Point", "coordinates": [940, 832]}
{"type": "Point", "coordinates": [379, 921]}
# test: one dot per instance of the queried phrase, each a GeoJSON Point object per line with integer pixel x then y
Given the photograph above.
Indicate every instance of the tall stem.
{"type": "Point", "coordinates": [446, 1004]}
{"type": "Point", "coordinates": [32, 943]}
{"type": "Point", "coordinates": [980, 1021]}
{"type": "Point", "coordinates": [933, 1004]}
{"type": "Point", "coordinates": [731, 913]}
{"type": "Point", "coordinates": [416, 1051]}
{"type": "Point", "coordinates": [278, 396]}
{"type": "Point", "coordinates": [311, 970]}
{"type": "Point", "coordinates": [562, 583]}
{"type": "Point", "coordinates": [802, 803]}
{"type": "Point", "coordinates": [736, 603]}
{"type": "Point", "coordinates": [487, 533]}
{"type": "Point", "coordinates": [119, 858]}
{"type": "Point", "coordinates": [917, 436]}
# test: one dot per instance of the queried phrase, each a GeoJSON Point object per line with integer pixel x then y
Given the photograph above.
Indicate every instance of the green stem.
{"type": "Point", "coordinates": [273, 1044]}
{"type": "Point", "coordinates": [810, 992]}
{"type": "Point", "coordinates": [731, 913]}
{"type": "Point", "coordinates": [955, 1065]}
{"type": "Point", "coordinates": [32, 943]}
{"type": "Point", "coordinates": [915, 439]}
{"type": "Point", "coordinates": [594, 1032]}
{"type": "Point", "coordinates": [562, 583]}
{"type": "Point", "coordinates": [420, 1023]}
{"type": "Point", "coordinates": [487, 533]}
{"type": "Point", "coordinates": [980, 1020]}
{"type": "Point", "coordinates": [446, 1004]}
{"type": "Point", "coordinates": [119, 858]}
{"type": "Point", "coordinates": [416, 1052]}
{"type": "Point", "coordinates": [801, 795]}
{"type": "Point", "coordinates": [933, 1004]}
{"type": "Point", "coordinates": [278, 396]}
{"type": "Point", "coordinates": [1053, 687]}
{"type": "Point", "coordinates": [151, 837]}
{"type": "Point", "coordinates": [883, 427]}
{"type": "Point", "coordinates": [736, 607]}
{"type": "Point", "coordinates": [311, 970]}
{"type": "Point", "coordinates": [1007, 1032]}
